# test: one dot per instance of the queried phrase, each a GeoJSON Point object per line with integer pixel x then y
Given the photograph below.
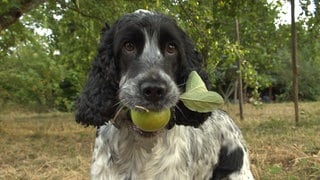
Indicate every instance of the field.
{"type": "Point", "coordinates": [52, 146]}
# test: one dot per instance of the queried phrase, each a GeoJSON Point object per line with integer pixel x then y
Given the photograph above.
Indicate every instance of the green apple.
{"type": "Point", "coordinates": [150, 121]}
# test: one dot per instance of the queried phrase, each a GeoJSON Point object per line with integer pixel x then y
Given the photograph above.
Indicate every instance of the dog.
{"type": "Point", "coordinates": [144, 59]}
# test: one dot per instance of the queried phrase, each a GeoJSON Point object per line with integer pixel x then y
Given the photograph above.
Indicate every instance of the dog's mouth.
{"type": "Point", "coordinates": [123, 119]}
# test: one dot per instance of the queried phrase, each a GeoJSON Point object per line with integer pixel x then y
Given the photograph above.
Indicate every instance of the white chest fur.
{"type": "Point", "coordinates": [183, 152]}
{"type": "Point", "coordinates": [180, 153]}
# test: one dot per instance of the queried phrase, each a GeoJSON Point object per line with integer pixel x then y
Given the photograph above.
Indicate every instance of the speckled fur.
{"type": "Point", "coordinates": [183, 152]}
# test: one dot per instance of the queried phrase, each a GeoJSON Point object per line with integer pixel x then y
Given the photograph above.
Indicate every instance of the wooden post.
{"type": "Point", "coordinates": [294, 63]}
{"type": "Point", "coordinates": [240, 89]}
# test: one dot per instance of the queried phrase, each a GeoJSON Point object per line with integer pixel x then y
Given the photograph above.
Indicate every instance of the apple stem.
{"type": "Point", "coordinates": [142, 108]}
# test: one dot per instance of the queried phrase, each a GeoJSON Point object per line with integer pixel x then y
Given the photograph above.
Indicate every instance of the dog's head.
{"type": "Point", "coordinates": [144, 59]}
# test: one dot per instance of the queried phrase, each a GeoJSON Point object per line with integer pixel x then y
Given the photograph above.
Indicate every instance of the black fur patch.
{"type": "Point", "coordinates": [186, 117]}
{"type": "Point", "coordinates": [228, 163]}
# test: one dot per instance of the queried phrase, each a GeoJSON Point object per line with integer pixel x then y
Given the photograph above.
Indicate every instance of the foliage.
{"type": "Point", "coordinates": [308, 62]}
{"type": "Point", "coordinates": [256, 20]}
{"type": "Point", "coordinates": [45, 56]}
{"type": "Point", "coordinates": [30, 76]}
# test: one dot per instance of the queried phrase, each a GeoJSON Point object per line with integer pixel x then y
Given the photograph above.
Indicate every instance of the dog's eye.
{"type": "Point", "coordinates": [129, 46]}
{"type": "Point", "coordinates": [171, 48]}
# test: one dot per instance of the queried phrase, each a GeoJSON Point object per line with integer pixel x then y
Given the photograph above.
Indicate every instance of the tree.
{"type": "Point", "coordinates": [73, 34]}
{"type": "Point", "coordinates": [294, 62]}
{"type": "Point", "coordinates": [239, 81]}
{"type": "Point", "coordinates": [13, 10]}
{"type": "Point", "coordinates": [258, 34]}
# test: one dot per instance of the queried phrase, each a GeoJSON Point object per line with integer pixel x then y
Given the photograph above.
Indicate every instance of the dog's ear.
{"type": "Point", "coordinates": [105, 29]}
{"type": "Point", "coordinates": [98, 101]}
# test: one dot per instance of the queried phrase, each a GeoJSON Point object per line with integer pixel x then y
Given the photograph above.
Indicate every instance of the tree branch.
{"type": "Point", "coordinates": [86, 15]}
{"type": "Point", "coordinates": [13, 14]}
{"type": "Point", "coordinates": [191, 19]}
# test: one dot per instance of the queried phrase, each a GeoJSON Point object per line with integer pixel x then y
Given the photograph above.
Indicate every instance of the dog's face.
{"type": "Point", "coordinates": [147, 51]}
{"type": "Point", "coordinates": [144, 60]}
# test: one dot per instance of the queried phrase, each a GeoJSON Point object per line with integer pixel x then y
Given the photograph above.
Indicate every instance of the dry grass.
{"type": "Point", "coordinates": [278, 148]}
{"type": "Point", "coordinates": [44, 146]}
{"type": "Point", "coordinates": [53, 146]}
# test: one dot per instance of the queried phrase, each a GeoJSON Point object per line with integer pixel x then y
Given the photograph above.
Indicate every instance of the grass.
{"type": "Point", "coordinates": [53, 146]}
{"type": "Point", "coordinates": [278, 148]}
{"type": "Point", "coordinates": [44, 146]}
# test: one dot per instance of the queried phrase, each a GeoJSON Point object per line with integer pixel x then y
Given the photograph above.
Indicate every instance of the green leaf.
{"type": "Point", "coordinates": [201, 101]}
{"type": "Point", "coordinates": [195, 83]}
{"type": "Point", "coordinates": [197, 97]}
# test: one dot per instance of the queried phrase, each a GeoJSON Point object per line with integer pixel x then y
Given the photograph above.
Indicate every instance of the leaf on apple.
{"type": "Point", "coordinates": [197, 97]}
{"type": "Point", "coordinates": [195, 83]}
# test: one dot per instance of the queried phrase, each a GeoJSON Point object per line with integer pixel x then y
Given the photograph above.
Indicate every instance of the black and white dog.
{"type": "Point", "coordinates": [144, 59]}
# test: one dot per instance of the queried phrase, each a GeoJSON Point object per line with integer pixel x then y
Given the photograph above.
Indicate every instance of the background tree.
{"type": "Point", "coordinates": [294, 62]}
{"type": "Point", "coordinates": [51, 46]}
{"type": "Point", "coordinates": [13, 10]}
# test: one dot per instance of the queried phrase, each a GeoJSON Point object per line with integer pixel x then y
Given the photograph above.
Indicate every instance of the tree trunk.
{"type": "Point", "coordinates": [13, 14]}
{"type": "Point", "coordinates": [240, 89]}
{"type": "Point", "coordinates": [294, 63]}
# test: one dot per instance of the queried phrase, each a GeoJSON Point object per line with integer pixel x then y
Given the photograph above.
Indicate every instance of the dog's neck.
{"type": "Point", "coordinates": [124, 153]}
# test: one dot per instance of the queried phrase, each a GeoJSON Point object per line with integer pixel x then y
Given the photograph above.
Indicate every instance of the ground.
{"type": "Point", "coordinates": [52, 146]}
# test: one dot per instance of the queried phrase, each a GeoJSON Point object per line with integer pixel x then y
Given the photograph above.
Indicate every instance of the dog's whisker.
{"type": "Point", "coordinates": [180, 110]}
{"type": "Point", "coordinates": [181, 85]}
{"type": "Point", "coordinates": [115, 118]}
{"type": "Point", "coordinates": [117, 104]}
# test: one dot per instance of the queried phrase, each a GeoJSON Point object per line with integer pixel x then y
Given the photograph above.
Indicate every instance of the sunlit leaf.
{"type": "Point", "coordinates": [201, 101]}
{"type": "Point", "coordinates": [197, 97]}
{"type": "Point", "coordinates": [195, 83]}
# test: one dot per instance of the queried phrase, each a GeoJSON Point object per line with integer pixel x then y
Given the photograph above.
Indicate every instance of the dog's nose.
{"type": "Point", "coordinates": [153, 91]}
